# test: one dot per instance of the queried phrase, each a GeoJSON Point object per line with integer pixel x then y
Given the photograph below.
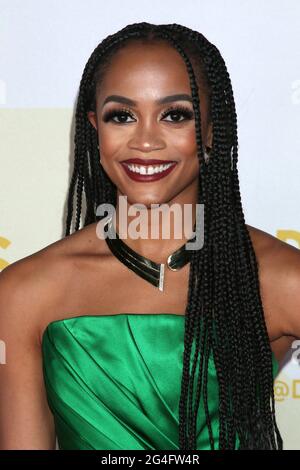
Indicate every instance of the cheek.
{"type": "Point", "coordinates": [185, 144]}
{"type": "Point", "coordinates": [186, 149]}
{"type": "Point", "coordinates": [110, 143]}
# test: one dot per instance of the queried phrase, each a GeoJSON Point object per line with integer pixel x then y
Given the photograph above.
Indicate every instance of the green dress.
{"type": "Point", "coordinates": [113, 382]}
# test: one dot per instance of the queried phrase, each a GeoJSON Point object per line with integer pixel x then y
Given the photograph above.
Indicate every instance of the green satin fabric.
{"type": "Point", "coordinates": [113, 382]}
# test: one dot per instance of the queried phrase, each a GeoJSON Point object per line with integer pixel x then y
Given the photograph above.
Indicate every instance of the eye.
{"type": "Point", "coordinates": [118, 113]}
{"type": "Point", "coordinates": [175, 111]}
{"type": "Point", "coordinates": [178, 111]}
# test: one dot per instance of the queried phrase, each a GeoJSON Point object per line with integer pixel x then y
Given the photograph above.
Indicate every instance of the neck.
{"type": "Point", "coordinates": [160, 230]}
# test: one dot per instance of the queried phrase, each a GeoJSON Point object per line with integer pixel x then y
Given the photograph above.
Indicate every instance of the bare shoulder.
{"type": "Point", "coordinates": [27, 286]}
{"type": "Point", "coordinates": [279, 271]}
{"type": "Point", "coordinates": [32, 288]}
{"type": "Point", "coordinates": [274, 253]}
{"type": "Point", "coordinates": [265, 243]}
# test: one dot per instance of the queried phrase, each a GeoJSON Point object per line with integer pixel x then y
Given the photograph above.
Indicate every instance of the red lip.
{"type": "Point", "coordinates": [140, 161]}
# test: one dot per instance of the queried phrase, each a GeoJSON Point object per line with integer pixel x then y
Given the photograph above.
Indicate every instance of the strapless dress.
{"type": "Point", "coordinates": [113, 382]}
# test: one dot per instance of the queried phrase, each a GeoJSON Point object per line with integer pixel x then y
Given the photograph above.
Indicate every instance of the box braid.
{"type": "Point", "coordinates": [224, 314]}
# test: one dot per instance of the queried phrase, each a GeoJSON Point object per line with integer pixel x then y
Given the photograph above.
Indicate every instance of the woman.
{"type": "Point", "coordinates": [99, 350]}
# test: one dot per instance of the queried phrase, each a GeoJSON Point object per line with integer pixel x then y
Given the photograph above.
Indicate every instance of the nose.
{"type": "Point", "coordinates": [146, 139]}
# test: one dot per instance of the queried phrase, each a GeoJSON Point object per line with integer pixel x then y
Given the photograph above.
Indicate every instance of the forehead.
{"type": "Point", "coordinates": [145, 71]}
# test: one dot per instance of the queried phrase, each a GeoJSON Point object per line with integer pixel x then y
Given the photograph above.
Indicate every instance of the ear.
{"type": "Point", "coordinates": [92, 117]}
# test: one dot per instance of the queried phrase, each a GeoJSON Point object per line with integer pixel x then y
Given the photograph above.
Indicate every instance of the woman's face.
{"type": "Point", "coordinates": [146, 129]}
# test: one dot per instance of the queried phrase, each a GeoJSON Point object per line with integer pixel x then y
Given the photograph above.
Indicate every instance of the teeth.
{"type": "Point", "coordinates": [148, 170]}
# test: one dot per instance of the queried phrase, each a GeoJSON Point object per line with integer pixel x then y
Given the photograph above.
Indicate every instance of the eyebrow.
{"type": "Point", "coordinates": [166, 99]}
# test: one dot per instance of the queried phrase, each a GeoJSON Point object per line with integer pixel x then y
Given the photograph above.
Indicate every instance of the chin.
{"type": "Point", "coordinates": [143, 196]}
{"type": "Point", "coordinates": [146, 200]}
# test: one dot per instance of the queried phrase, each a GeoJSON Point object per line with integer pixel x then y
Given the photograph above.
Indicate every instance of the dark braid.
{"type": "Point", "coordinates": [224, 318]}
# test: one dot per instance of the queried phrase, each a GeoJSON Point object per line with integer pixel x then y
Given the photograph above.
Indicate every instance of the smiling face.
{"type": "Point", "coordinates": [140, 126]}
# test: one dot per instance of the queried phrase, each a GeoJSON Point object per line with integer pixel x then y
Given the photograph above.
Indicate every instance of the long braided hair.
{"type": "Point", "coordinates": [224, 315]}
